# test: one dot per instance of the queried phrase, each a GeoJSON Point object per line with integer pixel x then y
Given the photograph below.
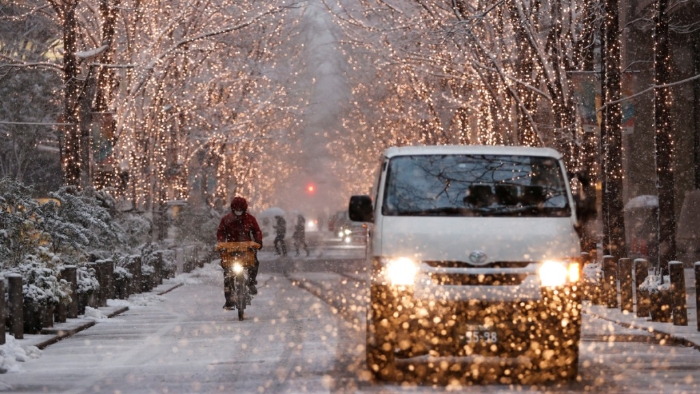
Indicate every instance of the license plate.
{"type": "Point", "coordinates": [480, 335]}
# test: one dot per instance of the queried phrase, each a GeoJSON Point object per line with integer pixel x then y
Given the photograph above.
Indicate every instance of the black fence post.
{"type": "Point", "coordinates": [680, 310]}
{"type": "Point", "coordinates": [109, 277]}
{"type": "Point", "coordinates": [15, 305]}
{"type": "Point", "coordinates": [2, 311]}
{"type": "Point", "coordinates": [98, 275]}
{"type": "Point", "coordinates": [158, 268]}
{"type": "Point", "coordinates": [70, 274]}
{"type": "Point", "coordinates": [697, 292]}
{"type": "Point", "coordinates": [610, 281]}
{"type": "Point", "coordinates": [626, 298]}
{"type": "Point", "coordinates": [135, 270]}
{"type": "Point", "coordinates": [641, 271]}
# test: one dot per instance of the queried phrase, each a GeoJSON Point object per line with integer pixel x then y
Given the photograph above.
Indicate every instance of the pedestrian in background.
{"type": "Point", "coordinates": [281, 231]}
{"type": "Point", "coordinates": [299, 235]}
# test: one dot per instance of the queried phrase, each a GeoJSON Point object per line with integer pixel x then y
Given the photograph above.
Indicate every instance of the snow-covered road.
{"type": "Point", "coordinates": [303, 333]}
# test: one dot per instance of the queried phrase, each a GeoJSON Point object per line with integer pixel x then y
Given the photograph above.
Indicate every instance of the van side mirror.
{"type": "Point", "coordinates": [360, 209]}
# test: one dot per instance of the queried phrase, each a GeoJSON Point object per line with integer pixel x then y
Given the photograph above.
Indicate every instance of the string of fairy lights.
{"type": "Point", "coordinates": [192, 106]}
{"type": "Point", "coordinates": [502, 67]}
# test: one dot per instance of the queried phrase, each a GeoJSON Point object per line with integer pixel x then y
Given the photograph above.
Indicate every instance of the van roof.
{"type": "Point", "coordinates": [471, 150]}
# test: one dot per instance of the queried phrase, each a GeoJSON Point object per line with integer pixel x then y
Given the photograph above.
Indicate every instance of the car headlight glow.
{"type": "Point", "coordinates": [340, 234]}
{"type": "Point", "coordinates": [348, 231]}
{"type": "Point", "coordinates": [237, 268]}
{"type": "Point", "coordinates": [555, 273]}
{"type": "Point", "coordinates": [401, 271]}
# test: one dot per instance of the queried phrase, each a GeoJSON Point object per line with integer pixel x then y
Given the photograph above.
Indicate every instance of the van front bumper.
{"type": "Point", "coordinates": [520, 330]}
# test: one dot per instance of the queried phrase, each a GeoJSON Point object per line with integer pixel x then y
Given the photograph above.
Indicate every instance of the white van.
{"type": "Point", "coordinates": [474, 260]}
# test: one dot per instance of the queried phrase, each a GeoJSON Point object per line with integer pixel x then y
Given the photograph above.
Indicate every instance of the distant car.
{"type": "Point", "coordinates": [348, 231]}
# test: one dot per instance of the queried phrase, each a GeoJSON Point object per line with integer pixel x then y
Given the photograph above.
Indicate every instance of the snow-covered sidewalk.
{"type": "Point", "coordinates": [688, 335]}
{"type": "Point", "coordinates": [20, 350]}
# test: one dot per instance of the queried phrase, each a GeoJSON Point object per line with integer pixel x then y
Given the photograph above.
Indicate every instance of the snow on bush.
{"type": "Point", "coordinates": [121, 273]}
{"type": "Point", "coordinates": [656, 283]}
{"type": "Point", "coordinates": [19, 231]}
{"type": "Point", "coordinates": [40, 283]}
{"type": "Point", "coordinates": [87, 280]}
{"type": "Point", "coordinates": [592, 274]}
{"type": "Point", "coordinates": [137, 229]}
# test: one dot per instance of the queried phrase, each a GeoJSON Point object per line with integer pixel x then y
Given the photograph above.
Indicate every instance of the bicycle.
{"type": "Point", "coordinates": [236, 257]}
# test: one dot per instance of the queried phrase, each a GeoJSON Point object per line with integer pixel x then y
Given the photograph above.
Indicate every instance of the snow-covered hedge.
{"type": "Point", "coordinates": [121, 273]}
{"type": "Point", "coordinates": [592, 274]}
{"type": "Point", "coordinates": [87, 280]}
{"type": "Point", "coordinates": [656, 284]}
{"type": "Point", "coordinates": [40, 284]}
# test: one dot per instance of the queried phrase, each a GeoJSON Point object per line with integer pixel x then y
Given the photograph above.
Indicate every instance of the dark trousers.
{"type": "Point", "coordinates": [299, 241]}
{"type": "Point", "coordinates": [279, 240]}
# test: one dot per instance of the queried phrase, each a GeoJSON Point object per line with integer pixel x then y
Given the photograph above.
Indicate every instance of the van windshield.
{"type": "Point", "coordinates": [475, 185]}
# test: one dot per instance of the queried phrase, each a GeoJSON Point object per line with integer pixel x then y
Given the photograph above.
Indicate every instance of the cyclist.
{"type": "Point", "coordinates": [240, 226]}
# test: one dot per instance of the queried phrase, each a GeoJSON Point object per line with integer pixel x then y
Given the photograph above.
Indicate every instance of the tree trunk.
{"type": "Point", "coordinates": [663, 140]}
{"type": "Point", "coordinates": [696, 110]}
{"type": "Point", "coordinates": [613, 118]}
{"type": "Point", "coordinates": [70, 141]}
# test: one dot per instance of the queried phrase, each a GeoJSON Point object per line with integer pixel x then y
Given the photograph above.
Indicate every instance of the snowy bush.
{"type": "Point", "coordinates": [121, 274]}
{"type": "Point", "coordinates": [87, 280]}
{"type": "Point", "coordinates": [592, 274]}
{"type": "Point", "coordinates": [147, 269]}
{"type": "Point", "coordinates": [150, 253]}
{"type": "Point", "coordinates": [137, 229]}
{"type": "Point", "coordinates": [40, 284]}
{"type": "Point", "coordinates": [78, 221]}
{"type": "Point", "coordinates": [656, 284]}
{"type": "Point", "coordinates": [19, 233]}
{"type": "Point", "coordinates": [197, 224]}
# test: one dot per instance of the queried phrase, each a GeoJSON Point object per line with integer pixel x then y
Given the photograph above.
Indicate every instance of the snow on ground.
{"type": "Point", "coordinates": [12, 354]}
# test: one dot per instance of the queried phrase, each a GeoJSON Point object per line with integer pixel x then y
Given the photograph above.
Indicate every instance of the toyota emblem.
{"type": "Point", "coordinates": [477, 257]}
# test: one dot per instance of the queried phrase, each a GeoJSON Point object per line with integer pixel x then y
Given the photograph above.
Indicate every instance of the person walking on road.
{"type": "Point", "coordinates": [299, 235]}
{"type": "Point", "coordinates": [281, 230]}
{"type": "Point", "coordinates": [240, 226]}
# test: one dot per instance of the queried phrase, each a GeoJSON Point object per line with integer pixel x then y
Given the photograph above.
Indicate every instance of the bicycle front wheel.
{"type": "Point", "coordinates": [241, 290]}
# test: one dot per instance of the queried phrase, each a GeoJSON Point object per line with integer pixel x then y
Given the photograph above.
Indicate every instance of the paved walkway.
{"type": "Point", "coordinates": [59, 331]}
{"type": "Point", "coordinates": [688, 335]}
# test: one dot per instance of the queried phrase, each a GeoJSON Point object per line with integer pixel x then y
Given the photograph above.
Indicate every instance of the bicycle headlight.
{"type": "Point", "coordinates": [401, 271]}
{"type": "Point", "coordinates": [237, 268]}
{"type": "Point", "coordinates": [555, 273]}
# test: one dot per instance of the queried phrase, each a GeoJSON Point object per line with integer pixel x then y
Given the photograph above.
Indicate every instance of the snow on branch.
{"type": "Point", "coordinates": [93, 53]}
{"type": "Point", "coordinates": [650, 88]}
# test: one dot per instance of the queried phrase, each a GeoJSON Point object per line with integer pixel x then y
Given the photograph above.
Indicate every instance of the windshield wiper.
{"type": "Point", "coordinates": [433, 212]}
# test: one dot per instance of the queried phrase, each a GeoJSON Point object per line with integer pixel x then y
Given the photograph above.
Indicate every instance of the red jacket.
{"type": "Point", "coordinates": [234, 228]}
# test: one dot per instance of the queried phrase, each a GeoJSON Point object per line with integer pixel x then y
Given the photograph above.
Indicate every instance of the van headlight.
{"type": "Point", "coordinates": [401, 271]}
{"type": "Point", "coordinates": [555, 273]}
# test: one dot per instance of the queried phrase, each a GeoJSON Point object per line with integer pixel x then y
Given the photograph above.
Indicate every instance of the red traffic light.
{"type": "Point", "coordinates": [310, 188]}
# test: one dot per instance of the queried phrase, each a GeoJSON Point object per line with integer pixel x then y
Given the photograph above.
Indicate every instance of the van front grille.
{"type": "Point", "coordinates": [464, 264]}
{"type": "Point", "coordinates": [477, 279]}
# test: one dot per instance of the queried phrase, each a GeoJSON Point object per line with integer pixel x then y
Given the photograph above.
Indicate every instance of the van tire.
{"type": "Point", "coordinates": [379, 340]}
{"type": "Point", "coordinates": [562, 368]}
